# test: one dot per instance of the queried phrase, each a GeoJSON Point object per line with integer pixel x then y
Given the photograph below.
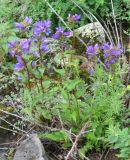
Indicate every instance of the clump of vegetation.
{"type": "Point", "coordinates": [83, 107]}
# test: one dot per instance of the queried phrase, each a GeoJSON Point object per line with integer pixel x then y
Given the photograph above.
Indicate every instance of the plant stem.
{"type": "Point", "coordinates": [64, 65]}
{"type": "Point", "coordinates": [25, 64]}
{"type": "Point", "coordinates": [69, 102]}
{"type": "Point", "coordinates": [41, 59]}
{"type": "Point", "coordinates": [77, 107]}
{"type": "Point", "coordinates": [37, 84]}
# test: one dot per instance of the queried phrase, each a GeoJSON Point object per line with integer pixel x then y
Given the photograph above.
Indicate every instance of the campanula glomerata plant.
{"type": "Point", "coordinates": [75, 104]}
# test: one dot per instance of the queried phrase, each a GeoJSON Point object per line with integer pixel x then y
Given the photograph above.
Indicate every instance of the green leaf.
{"type": "Point", "coordinates": [64, 94]}
{"type": "Point", "coordinates": [46, 114]}
{"type": "Point", "coordinates": [41, 70]}
{"type": "Point", "coordinates": [71, 84]}
{"type": "Point", "coordinates": [74, 116]}
{"type": "Point", "coordinates": [60, 71]}
{"type": "Point", "coordinates": [128, 87]}
{"type": "Point", "coordinates": [46, 84]}
{"type": "Point", "coordinates": [56, 136]}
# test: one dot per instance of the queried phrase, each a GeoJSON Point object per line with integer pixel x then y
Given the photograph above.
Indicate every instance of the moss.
{"type": "Point", "coordinates": [5, 108]}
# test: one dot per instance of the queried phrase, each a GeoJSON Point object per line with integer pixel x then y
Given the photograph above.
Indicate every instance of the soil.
{"type": "Point", "coordinates": [111, 155]}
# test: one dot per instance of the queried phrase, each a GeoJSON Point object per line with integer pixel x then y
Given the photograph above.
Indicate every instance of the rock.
{"type": "Point", "coordinates": [92, 32]}
{"type": "Point", "coordinates": [31, 149]}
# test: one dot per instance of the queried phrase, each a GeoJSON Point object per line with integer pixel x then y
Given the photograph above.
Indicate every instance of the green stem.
{"type": "Point", "coordinates": [25, 64]}
{"type": "Point", "coordinates": [41, 59]}
{"type": "Point", "coordinates": [77, 107]}
{"type": "Point", "coordinates": [64, 65]}
{"type": "Point", "coordinates": [37, 84]}
{"type": "Point", "coordinates": [69, 102]}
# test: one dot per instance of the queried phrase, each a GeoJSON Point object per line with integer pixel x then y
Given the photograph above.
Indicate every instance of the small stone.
{"type": "Point", "coordinates": [31, 149]}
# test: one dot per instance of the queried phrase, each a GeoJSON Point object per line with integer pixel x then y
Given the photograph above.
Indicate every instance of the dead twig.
{"type": "Point", "coordinates": [74, 146]}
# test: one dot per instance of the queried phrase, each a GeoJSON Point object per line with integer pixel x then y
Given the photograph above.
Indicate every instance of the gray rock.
{"type": "Point", "coordinates": [31, 149]}
{"type": "Point", "coordinates": [92, 33]}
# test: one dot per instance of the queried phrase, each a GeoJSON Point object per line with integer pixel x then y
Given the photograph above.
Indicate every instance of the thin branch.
{"type": "Point", "coordinates": [3, 144]}
{"type": "Point", "coordinates": [12, 125]}
{"type": "Point", "coordinates": [4, 148]}
{"type": "Point", "coordinates": [9, 129]}
{"type": "Point", "coordinates": [86, 158]}
{"type": "Point", "coordinates": [74, 146]}
{"type": "Point", "coordinates": [15, 115]}
{"type": "Point", "coordinates": [115, 23]}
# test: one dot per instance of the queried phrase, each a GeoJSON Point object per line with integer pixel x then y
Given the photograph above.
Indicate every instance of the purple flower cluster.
{"type": "Point", "coordinates": [12, 46]}
{"type": "Point", "coordinates": [23, 25]}
{"type": "Point", "coordinates": [27, 21]}
{"type": "Point", "coordinates": [73, 18]}
{"type": "Point", "coordinates": [93, 51]}
{"type": "Point", "coordinates": [19, 65]}
{"type": "Point", "coordinates": [15, 47]}
{"type": "Point", "coordinates": [25, 45]}
{"type": "Point", "coordinates": [110, 53]}
{"type": "Point", "coordinates": [44, 45]}
{"type": "Point", "coordinates": [27, 51]}
{"type": "Point", "coordinates": [59, 34]}
{"type": "Point", "coordinates": [42, 28]}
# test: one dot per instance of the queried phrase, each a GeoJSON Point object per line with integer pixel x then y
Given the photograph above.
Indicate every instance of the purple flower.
{"type": "Point", "coordinates": [25, 45]}
{"type": "Point", "coordinates": [35, 54]}
{"type": "Point", "coordinates": [22, 26]}
{"type": "Point", "coordinates": [106, 55]}
{"type": "Point", "coordinates": [28, 20]}
{"type": "Point", "coordinates": [42, 27]}
{"type": "Point", "coordinates": [77, 17]}
{"type": "Point", "coordinates": [11, 44]}
{"type": "Point", "coordinates": [33, 63]}
{"type": "Point", "coordinates": [12, 53]}
{"type": "Point", "coordinates": [115, 52]}
{"type": "Point", "coordinates": [92, 51]}
{"type": "Point", "coordinates": [110, 62]}
{"type": "Point", "coordinates": [19, 78]}
{"type": "Point", "coordinates": [120, 48]}
{"type": "Point", "coordinates": [18, 66]}
{"type": "Point", "coordinates": [68, 33]}
{"type": "Point", "coordinates": [44, 48]}
{"type": "Point", "coordinates": [96, 47]}
{"type": "Point", "coordinates": [106, 46]}
{"type": "Point", "coordinates": [47, 25]}
{"type": "Point", "coordinates": [60, 33]}
{"type": "Point", "coordinates": [91, 71]}
{"type": "Point", "coordinates": [44, 45]}
{"type": "Point", "coordinates": [19, 59]}
{"type": "Point", "coordinates": [73, 18]}
{"type": "Point", "coordinates": [19, 26]}
{"type": "Point", "coordinates": [111, 53]}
